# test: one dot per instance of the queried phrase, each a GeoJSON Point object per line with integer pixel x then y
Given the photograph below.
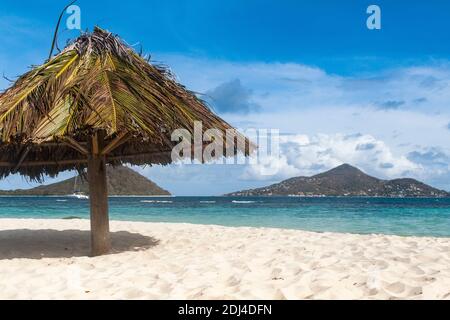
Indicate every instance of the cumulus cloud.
{"type": "Point", "coordinates": [309, 155]}
{"type": "Point", "coordinates": [435, 162]}
{"type": "Point", "coordinates": [434, 158]}
{"type": "Point", "coordinates": [232, 97]}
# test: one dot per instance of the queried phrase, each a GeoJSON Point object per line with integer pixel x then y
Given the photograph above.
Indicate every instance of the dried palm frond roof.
{"type": "Point", "coordinates": [97, 83]}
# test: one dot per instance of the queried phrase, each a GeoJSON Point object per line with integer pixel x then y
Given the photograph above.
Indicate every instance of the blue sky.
{"type": "Point", "coordinates": [329, 34]}
{"type": "Point", "coordinates": [338, 91]}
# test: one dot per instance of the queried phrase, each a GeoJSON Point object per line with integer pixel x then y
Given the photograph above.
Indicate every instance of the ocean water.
{"type": "Point", "coordinates": [405, 217]}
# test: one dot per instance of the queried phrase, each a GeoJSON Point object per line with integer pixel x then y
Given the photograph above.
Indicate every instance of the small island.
{"type": "Point", "coordinates": [346, 181]}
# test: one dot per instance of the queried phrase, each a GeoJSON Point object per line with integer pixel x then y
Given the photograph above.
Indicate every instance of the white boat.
{"type": "Point", "coordinates": [77, 192]}
{"type": "Point", "coordinates": [80, 196]}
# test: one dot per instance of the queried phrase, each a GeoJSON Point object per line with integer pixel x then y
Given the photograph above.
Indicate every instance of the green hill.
{"type": "Point", "coordinates": [346, 180]}
{"type": "Point", "coordinates": [122, 181]}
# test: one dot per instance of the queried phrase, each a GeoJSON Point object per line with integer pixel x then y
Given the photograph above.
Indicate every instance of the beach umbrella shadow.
{"type": "Point", "coordinates": [41, 244]}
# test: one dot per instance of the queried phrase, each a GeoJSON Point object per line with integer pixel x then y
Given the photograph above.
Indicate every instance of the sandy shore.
{"type": "Point", "coordinates": [46, 259]}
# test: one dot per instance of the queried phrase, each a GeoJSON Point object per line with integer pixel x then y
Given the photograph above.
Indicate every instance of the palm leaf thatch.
{"type": "Point", "coordinates": [97, 83]}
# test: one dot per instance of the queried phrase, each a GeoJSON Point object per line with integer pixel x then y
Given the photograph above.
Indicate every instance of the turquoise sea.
{"type": "Point", "coordinates": [416, 217]}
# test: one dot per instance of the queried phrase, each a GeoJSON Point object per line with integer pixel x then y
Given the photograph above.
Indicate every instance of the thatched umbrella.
{"type": "Point", "coordinates": [96, 103]}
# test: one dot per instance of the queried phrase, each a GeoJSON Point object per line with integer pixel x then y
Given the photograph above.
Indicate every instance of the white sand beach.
{"type": "Point", "coordinates": [47, 259]}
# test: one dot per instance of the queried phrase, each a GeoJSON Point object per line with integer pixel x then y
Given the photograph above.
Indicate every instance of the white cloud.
{"type": "Point", "coordinates": [399, 106]}
{"type": "Point", "coordinates": [309, 155]}
{"type": "Point", "coordinates": [290, 86]}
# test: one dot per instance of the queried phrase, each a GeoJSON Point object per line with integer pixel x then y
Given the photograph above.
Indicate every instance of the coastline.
{"type": "Point", "coordinates": [71, 196]}
{"type": "Point", "coordinates": [233, 197]}
{"type": "Point", "coordinates": [47, 259]}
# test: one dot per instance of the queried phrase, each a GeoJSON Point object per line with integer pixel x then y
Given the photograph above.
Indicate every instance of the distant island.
{"type": "Point", "coordinates": [122, 181]}
{"type": "Point", "coordinates": [346, 180]}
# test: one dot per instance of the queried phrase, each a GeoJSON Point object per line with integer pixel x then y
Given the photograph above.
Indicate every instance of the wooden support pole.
{"type": "Point", "coordinates": [117, 142]}
{"type": "Point", "coordinates": [76, 145]}
{"type": "Point", "coordinates": [98, 195]}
